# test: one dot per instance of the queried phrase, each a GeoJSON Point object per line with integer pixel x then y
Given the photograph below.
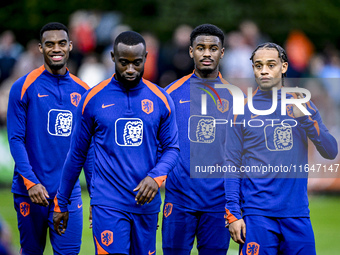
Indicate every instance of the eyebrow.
{"type": "Point", "coordinates": [125, 59]}
{"type": "Point", "coordinates": [200, 44]}
{"type": "Point", "coordinates": [270, 60]}
{"type": "Point", "coordinates": [63, 40]}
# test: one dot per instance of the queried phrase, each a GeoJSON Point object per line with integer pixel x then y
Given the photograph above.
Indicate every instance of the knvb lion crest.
{"type": "Point", "coordinates": [205, 132]}
{"type": "Point", "coordinates": [147, 106]}
{"type": "Point", "coordinates": [75, 98]}
{"type": "Point", "coordinates": [63, 124]}
{"type": "Point", "coordinates": [283, 138]}
{"type": "Point", "coordinates": [253, 248]}
{"type": "Point", "coordinates": [289, 109]}
{"type": "Point", "coordinates": [224, 106]}
{"type": "Point", "coordinates": [168, 209]}
{"type": "Point", "coordinates": [107, 237]}
{"type": "Point", "coordinates": [25, 209]}
{"type": "Point", "coordinates": [133, 133]}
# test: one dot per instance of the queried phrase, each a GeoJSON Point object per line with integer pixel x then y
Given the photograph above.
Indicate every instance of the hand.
{"type": "Point", "coordinates": [38, 195]}
{"type": "Point", "coordinates": [59, 227]}
{"type": "Point", "coordinates": [148, 188]}
{"type": "Point", "coordinates": [90, 216]}
{"type": "Point", "coordinates": [235, 229]}
{"type": "Point", "coordinates": [296, 111]}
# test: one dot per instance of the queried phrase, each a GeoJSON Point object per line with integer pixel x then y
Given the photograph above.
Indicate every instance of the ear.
{"type": "Point", "coordinates": [222, 53]}
{"type": "Point", "coordinates": [40, 48]}
{"type": "Point", "coordinates": [146, 54]}
{"type": "Point", "coordinates": [284, 67]}
{"type": "Point", "coordinates": [71, 45]}
{"type": "Point", "coordinates": [191, 50]}
{"type": "Point", "coordinates": [112, 56]}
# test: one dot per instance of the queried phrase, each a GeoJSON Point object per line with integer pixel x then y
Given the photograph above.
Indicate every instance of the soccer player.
{"type": "Point", "coordinates": [267, 212]}
{"type": "Point", "coordinates": [195, 206]}
{"type": "Point", "coordinates": [41, 112]}
{"type": "Point", "coordinates": [127, 117]}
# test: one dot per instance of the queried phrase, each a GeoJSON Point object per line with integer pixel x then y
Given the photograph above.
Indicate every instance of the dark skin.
{"type": "Point", "coordinates": [129, 63]}
{"type": "Point", "coordinates": [206, 51]}
{"type": "Point", "coordinates": [38, 195]}
{"type": "Point", "coordinates": [55, 47]}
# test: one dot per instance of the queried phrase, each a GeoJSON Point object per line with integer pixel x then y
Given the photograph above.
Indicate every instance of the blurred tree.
{"type": "Point", "coordinates": [317, 19]}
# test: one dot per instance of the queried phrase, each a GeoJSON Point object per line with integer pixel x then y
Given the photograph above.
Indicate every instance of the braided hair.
{"type": "Point", "coordinates": [269, 45]}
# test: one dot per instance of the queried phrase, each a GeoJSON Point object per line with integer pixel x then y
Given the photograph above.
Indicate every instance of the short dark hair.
{"type": "Point", "coordinates": [129, 38]}
{"type": "Point", "coordinates": [207, 29]}
{"type": "Point", "coordinates": [53, 26]}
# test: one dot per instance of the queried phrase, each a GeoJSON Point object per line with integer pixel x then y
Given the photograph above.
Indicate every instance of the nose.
{"type": "Point", "coordinates": [56, 47]}
{"type": "Point", "coordinates": [206, 53]}
{"type": "Point", "coordinates": [264, 70]}
{"type": "Point", "coordinates": [130, 69]}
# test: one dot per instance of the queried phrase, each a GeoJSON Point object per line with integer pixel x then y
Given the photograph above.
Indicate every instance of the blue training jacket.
{"type": "Point", "coordinates": [40, 121]}
{"type": "Point", "coordinates": [202, 140]}
{"type": "Point", "coordinates": [278, 188]}
{"type": "Point", "coordinates": [126, 127]}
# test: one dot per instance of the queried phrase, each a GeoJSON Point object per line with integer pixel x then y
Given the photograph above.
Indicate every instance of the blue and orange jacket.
{"type": "Point", "coordinates": [126, 127]}
{"type": "Point", "coordinates": [280, 190]}
{"type": "Point", "coordinates": [201, 140]}
{"type": "Point", "coordinates": [40, 121]}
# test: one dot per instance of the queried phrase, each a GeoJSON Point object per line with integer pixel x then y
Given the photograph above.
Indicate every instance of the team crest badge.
{"type": "Point", "coordinates": [253, 248]}
{"type": "Point", "coordinates": [147, 106]}
{"type": "Point", "coordinates": [224, 106]}
{"type": "Point", "coordinates": [24, 209]}
{"type": "Point", "coordinates": [167, 209]}
{"type": "Point", "coordinates": [107, 237]}
{"type": "Point", "coordinates": [75, 98]}
{"type": "Point", "coordinates": [289, 109]}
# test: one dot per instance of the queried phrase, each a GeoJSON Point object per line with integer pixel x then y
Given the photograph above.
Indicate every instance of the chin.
{"type": "Point", "coordinates": [207, 69]}
{"type": "Point", "coordinates": [57, 66]}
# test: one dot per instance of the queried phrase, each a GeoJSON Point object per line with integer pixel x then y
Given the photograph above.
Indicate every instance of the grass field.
{"type": "Point", "coordinates": [324, 215]}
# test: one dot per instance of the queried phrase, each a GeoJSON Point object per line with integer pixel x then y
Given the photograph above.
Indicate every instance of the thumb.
{"type": "Point", "coordinates": [138, 186]}
{"type": "Point", "coordinates": [45, 192]}
{"type": "Point", "coordinates": [244, 230]}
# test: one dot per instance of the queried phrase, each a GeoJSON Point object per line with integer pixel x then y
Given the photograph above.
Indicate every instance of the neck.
{"type": "Point", "coordinates": [60, 71]}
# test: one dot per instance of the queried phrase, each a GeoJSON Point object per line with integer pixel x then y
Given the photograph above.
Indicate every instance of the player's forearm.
{"type": "Point", "coordinates": [88, 167]}
{"type": "Point", "coordinates": [317, 132]}
{"type": "Point", "coordinates": [165, 164]}
{"type": "Point", "coordinates": [232, 197]}
{"type": "Point", "coordinates": [20, 156]}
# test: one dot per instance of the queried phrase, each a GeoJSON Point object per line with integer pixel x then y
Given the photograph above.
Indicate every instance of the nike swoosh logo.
{"type": "Point", "coordinates": [79, 206]}
{"type": "Point", "coordinates": [254, 116]}
{"type": "Point", "coordinates": [182, 102]}
{"type": "Point", "coordinates": [42, 95]}
{"type": "Point", "coordinates": [150, 253]}
{"type": "Point", "coordinates": [108, 105]}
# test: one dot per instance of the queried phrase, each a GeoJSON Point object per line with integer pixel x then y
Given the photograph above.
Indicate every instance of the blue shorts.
{"type": "Point", "coordinates": [181, 225]}
{"type": "Point", "coordinates": [266, 235]}
{"type": "Point", "coordinates": [116, 231]}
{"type": "Point", "coordinates": [34, 221]}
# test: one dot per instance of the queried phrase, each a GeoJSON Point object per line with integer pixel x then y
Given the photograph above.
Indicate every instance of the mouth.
{"type": "Point", "coordinates": [57, 58]}
{"type": "Point", "coordinates": [206, 62]}
{"type": "Point", "coordinates": [130, 78]}
{"type": "Point", "coordinates": [264, 79]}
